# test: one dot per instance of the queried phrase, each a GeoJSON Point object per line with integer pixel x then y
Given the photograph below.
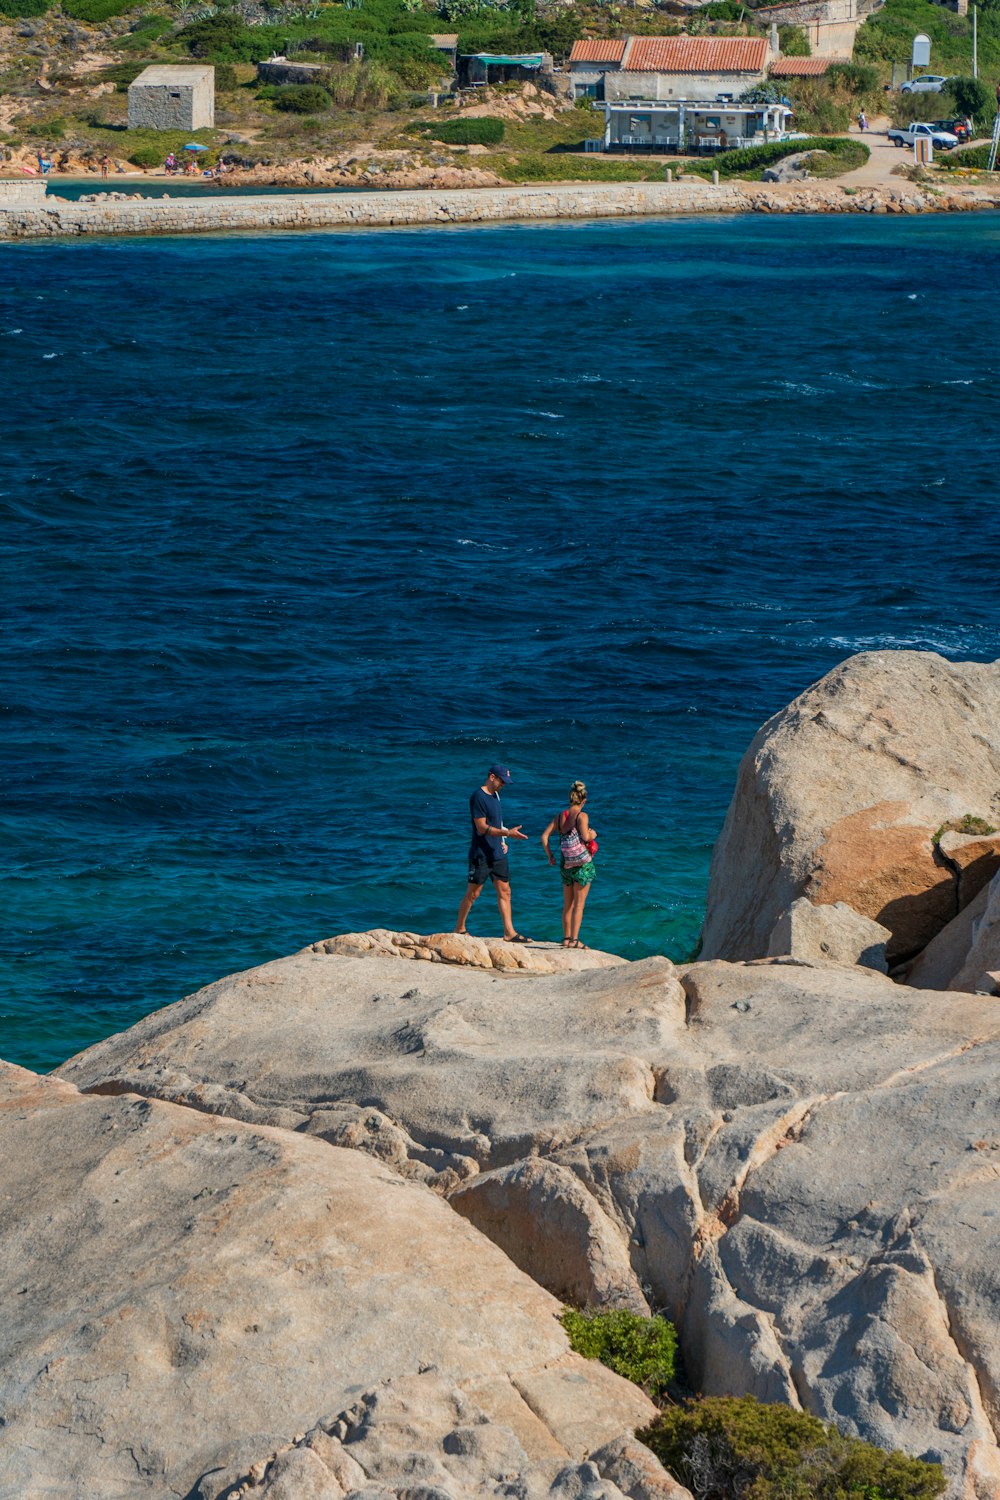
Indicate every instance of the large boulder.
{"type": "Point", "coordinates": [184, 1295]}
{"type": "Point", "coordinates": [983, 957]}
{"type": "Point", "coordinates": [799, 1159]}
{"type": "Point", "coordinates": [840, 795]}
{"type": "Point", "coordinates": [835, 932]}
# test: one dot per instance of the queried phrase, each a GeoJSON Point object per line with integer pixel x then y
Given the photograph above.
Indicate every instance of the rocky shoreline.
{"type": "Point", "coordinates": [474, 205]}
{"type": "Point", "coordinates": [305, 1234]}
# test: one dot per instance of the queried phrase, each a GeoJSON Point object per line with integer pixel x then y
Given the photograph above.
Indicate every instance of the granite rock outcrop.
{"type": "Point", "coordinates": [186, 1298]}
{"type": "Point", "coordinates": [840, 795]}
{"type": "Point", "coordinates": [468, 951]}
{"type": "Point", "coordinates": [799, 1158]}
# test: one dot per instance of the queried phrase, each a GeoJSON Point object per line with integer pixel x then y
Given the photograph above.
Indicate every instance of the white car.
{"type": "Point", "coordinates": [944, 139]}
{"type": "Point", "coordinates": [927, 83]}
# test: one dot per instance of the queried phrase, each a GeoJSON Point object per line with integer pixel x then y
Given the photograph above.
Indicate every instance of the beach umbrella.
{"type": "Point", "coordinates": [194, 146]}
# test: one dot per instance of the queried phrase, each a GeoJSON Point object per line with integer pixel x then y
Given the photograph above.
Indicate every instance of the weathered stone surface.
{"type": "Point", "coordinates": [984, 952]}
{"type": "Point", "coordinates": [636, 1472]}
{"type": "Point", "coordinates": [940, 961]}
{"type": "Point", "coordinates": [338, 1030]}
{"type": "Point", "coordinates": [464, 949]}
{"type": "Point", "coordinates": [839, 795]}
{"type": "Point", "coordinates": [543, 1217]}
{"type": "Point", "coordinates": [422, 1436]}
{"type": "Point", "coordinates": [974, 858]}
{"type": "Point", "coordinates": [183, 1295]}
{"type": "Point", "coordinates": [835, 932]}
{"type": "Point", "coordinates": [801, 1160]}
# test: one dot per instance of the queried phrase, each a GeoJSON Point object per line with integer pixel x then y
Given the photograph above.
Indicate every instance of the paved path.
{"type": "Point", "coordinates": [877, 170]}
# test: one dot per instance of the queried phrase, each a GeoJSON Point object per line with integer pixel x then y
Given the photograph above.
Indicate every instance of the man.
{"type": "Point", "coordinates": [488, 852]}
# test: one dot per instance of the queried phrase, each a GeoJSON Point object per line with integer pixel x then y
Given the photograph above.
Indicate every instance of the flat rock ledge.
{"type": "Point", "coordinates": [797, 1159]}
{"type": "Point", "coordinates": [464, 949]}
{"type": "Point", "coordinates": [312, 211]}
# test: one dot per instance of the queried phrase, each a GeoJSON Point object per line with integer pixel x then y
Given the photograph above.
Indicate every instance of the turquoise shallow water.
{"type": "Point", "coordinates": [300, 532]}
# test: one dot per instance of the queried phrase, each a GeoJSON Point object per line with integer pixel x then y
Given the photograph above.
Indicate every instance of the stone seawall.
{"type": "Point", "coordinates": [462, 206]}
{"type": "Point", "coordinates": [341, 210]}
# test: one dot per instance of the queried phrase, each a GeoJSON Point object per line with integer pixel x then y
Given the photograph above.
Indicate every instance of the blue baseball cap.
{"type": "Point", "coordinates": [501, 773]}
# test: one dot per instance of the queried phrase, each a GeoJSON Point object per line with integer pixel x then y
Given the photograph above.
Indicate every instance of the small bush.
{"type": "Point", "coordinates": [969, 822]}
{"type": "Point", "coordinates": [486, 131]}
{"type": "Point", "coordinates": [794, 42]}
{"type": "Point", "coordinates": [96, 10]}
{"type": "Point", "coordinates": [225, 78]}
{"type": "Point", "coordinates": [972, 159]}
{"type": "Point", "coordinates": [23, 9]}
{"type": "Point", "coordinates": [727, 1448]}
{"type": "Point", "coordinates": [856, 78]}
{"type": "Point", "coordinates": [750, 158]}
{"type": "Point", "coordinates": [973, 97]}
{"type": "Point", "coordinates": [644, 1350]}
{"type": "Point", "coordinates": [297, 98]}
{"type": "Point", "coordinates": [146, 156]}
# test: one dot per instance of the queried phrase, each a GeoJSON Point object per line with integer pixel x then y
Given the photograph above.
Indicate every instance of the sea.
{"type": "Point", "coordinates": [301, 532]}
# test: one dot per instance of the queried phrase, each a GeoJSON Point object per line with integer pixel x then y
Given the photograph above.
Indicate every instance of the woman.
{"type": "Point", "coordinates": [576, 861]}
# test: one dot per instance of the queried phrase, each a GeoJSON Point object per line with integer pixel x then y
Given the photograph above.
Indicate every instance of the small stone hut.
{"type": "Point", "coordinates": [168, 96]}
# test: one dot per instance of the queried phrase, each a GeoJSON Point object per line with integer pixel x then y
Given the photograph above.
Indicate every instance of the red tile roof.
{"type": "Point", "coordinates": [696, 54]}
{"type": "Point", "coordinates": [799, 67]}
{"type": "Point", "coordinates": [595, 50]}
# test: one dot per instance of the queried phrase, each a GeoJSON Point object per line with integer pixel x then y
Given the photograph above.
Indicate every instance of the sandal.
{"type": "Point", "coordinates": [519, 937]}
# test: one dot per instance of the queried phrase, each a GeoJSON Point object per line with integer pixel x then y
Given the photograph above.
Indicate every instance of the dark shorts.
{"type": "Point", "coordinates": [481, 868]}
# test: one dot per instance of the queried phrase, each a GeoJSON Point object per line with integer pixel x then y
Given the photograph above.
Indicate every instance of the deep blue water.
{"type": "Point", "coordinates": [300, 532]}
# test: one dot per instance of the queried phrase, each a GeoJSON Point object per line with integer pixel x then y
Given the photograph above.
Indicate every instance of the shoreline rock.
{"type": "Point", "coordinates": [839, 797]}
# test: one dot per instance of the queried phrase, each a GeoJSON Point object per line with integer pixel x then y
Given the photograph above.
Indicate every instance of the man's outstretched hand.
{"type": "Point", "coordinates": [515, 833]}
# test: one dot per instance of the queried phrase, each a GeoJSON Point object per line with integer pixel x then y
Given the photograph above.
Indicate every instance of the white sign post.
{"type": "Point", "coordinates": [921, 55]}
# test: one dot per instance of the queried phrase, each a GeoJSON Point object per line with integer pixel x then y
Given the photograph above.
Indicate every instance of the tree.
{"type": "Point", "coordinates": [972, 97]}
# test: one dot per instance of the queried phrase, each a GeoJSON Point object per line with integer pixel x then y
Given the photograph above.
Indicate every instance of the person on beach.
{"type": "Point", "coordinates": [577, 846]}
{"type": "Point", "coordinates": [488, 853]}
{"type": "Point", "coordinates": [105, 165]}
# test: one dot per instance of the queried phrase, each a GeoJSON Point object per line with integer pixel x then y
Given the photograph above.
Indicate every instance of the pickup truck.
{"type": "Point", "coordinates": [944, 139]}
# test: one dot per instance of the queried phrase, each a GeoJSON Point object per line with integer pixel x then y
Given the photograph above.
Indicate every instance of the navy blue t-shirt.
{"type": "Point", "coordinates": [486, 805]}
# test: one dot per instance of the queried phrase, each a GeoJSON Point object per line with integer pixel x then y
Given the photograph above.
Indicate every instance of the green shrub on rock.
{"type": "Point", "coordinates": [729, 1448]}
{"type": "Point", "coordinates": [644, 1350]}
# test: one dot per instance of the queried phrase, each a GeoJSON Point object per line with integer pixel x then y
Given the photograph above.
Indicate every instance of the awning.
{"type": "Point", "coordinates": [509, 60]}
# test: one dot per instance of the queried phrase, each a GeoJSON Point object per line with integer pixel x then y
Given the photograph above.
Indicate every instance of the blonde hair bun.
{"type": "Point", "coordinates": [577, 794]}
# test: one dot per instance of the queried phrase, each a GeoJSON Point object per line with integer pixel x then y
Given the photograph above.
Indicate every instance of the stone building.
{"type": "Point", "coordinates": [166, 96]}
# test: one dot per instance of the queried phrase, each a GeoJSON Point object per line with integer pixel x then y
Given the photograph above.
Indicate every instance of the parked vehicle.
{"type": "Point", "coordinates": [956, 128]}
{"type": "Point", "coordinates": [945, 140]}
{"type": "Point", "coordinates": [927, 83]}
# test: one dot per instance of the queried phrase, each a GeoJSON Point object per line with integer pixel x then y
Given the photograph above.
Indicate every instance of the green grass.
{"type": "Point", "coordinates": [562, 168]}
{"type": "Point", "coordinates": [148, 148]}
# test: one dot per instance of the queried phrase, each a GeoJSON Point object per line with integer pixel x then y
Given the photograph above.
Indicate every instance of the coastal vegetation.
{"type": "Point", "coordinates": [737, 1448]}
{"type": "Point", "coordinates": [644, 1350]}
{"type": "Point", "coordinates": [66, 74]}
